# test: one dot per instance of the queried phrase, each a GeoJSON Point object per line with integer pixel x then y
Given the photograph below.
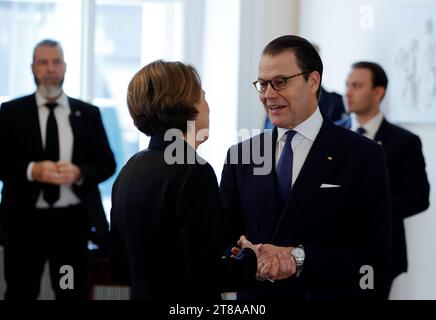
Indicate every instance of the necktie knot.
{"type": "Point", "coordinates": [51, 105]}
{"type": "Point", "coordinates": [361, 130]}
{"type": "Point", "coordinates": [290, 135]}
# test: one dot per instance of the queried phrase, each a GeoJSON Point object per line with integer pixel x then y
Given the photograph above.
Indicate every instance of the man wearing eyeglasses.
{"type": "Point", "coordinates": [325, 202]}
{"type": "Point", "coordinates": [330, 103]}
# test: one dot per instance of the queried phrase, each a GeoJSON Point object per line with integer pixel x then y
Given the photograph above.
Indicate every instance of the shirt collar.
{"type": "Point", "coordinates": [309, 128]}
{"type": "Point", "coordinates": [371, 126]}
{"type": "Point", "coordinates": [62, 101]}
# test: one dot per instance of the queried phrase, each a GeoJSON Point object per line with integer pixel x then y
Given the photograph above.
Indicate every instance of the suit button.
{"type": "Point", "coordinates": [255, 227]}
{"type": "Point", "coordinates": [307, 296]}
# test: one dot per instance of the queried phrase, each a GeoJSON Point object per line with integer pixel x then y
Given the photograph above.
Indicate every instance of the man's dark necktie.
{"type": "Point", "coordinates": [284, 167]}
{"type": "Point", "coordinates": [51, 192]}
{"type": "Point", "coordinates": [361, 130]}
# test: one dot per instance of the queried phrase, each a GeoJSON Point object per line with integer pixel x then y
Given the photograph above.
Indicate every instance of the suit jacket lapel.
{"type": "Point", "coordinates": [381, 132]}
{"type": "Point", "coordinates": [322, 158]}
{"type": "Point", "coordinates": [35, 128]}
{"type": "Point", "coordinates": [273, 168]}
{"type": "Point", "coordinates": [75, 122]}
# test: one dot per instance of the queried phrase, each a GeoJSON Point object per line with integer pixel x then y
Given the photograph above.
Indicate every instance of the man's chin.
{"type": "Point", "coordinates": [275, 121]}
{"type": "Point", "coordinates": [50, 91]}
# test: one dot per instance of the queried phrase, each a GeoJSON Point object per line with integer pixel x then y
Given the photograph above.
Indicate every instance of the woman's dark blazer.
{"type": "Point", "coordinates": [166, 228]}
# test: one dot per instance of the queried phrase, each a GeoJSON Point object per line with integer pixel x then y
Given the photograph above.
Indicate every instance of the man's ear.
{"type": "Point", "coordinates": [314, 79]}
{"type": "Point", "coordinates": [379, 92]}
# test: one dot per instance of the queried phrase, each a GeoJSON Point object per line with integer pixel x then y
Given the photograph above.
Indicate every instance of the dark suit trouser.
{"type": "Point", "coordinates": [56, 235]}
{"type": "Point", "coordinates": [382, 287]}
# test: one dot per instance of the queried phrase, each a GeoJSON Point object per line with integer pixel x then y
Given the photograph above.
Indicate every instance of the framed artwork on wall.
{"type": "Point", "coordinates": [412, 64]}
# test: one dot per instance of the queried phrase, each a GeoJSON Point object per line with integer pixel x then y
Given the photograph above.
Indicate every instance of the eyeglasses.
{"type": "Point", "coordinates": [277, 84]}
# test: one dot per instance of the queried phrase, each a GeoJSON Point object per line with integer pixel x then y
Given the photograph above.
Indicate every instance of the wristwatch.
{"type": "Point", "coordinates": [298, 254]}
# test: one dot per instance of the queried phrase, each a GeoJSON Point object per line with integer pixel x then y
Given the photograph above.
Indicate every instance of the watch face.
{"type": "Point", "coordinates": [298, 253]}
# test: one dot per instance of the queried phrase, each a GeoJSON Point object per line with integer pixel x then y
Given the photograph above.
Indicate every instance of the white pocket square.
{"type": "Point", "coordinates": [326, 185]}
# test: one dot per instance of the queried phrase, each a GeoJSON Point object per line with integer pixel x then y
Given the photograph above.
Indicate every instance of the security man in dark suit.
{"type": "Point", "coordinates": [55, 152]}
{"type": "Point", "coordinates": [309, 189]}
{"type": "Point", "coordinates": [366, 87]}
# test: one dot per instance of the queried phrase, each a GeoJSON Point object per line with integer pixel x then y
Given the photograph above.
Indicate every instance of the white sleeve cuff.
{"type": "Point", "coordinates": [79, 182]}
{"type": "Point", "coordinates": [29, 171]}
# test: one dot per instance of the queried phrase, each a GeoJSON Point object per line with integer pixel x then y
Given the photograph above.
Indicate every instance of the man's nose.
{"type": "Point", "coordinates": [270, 91]}
{"type": "Point", "coordinates": [50, 66]}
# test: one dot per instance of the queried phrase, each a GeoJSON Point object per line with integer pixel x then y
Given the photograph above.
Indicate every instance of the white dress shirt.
{"type": "Point", "coordinates": [66, 139]}
{"type": "Point", "coordinates": [371, 127]}
{"type": "Point", "coordinates": [302, 141]}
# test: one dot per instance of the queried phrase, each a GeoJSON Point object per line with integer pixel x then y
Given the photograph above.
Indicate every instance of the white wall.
{"type": "Point", "coordinates": [420, 281]}
{"type": "Point", "coordinates": [346, 34]}
{"type": "Point", "coordinates": [261, 22]}
{"type": "Point", "coordinates": [220, 77]}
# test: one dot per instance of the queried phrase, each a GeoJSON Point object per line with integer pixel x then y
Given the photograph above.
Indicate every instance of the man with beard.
{"type": "Point", "coordinates": [55, 152]}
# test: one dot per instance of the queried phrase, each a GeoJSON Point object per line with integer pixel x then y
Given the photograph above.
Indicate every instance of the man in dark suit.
{"type": "Point", "coordinates": [366, 87]}
{"type": "Point", "coordinates": [308, 188]}
{"type": "Point", "coordinates": [54, 154]}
